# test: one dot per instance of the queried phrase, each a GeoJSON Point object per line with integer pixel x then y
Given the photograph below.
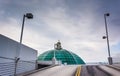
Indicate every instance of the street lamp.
{"type": "Point", "coordinates": [28, 16]}
{"type": "Point", "coordinates": [107, 37]}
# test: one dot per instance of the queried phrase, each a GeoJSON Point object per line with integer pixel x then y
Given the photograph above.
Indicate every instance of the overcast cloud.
{"type": "Point", "coordinates": [78, 24]}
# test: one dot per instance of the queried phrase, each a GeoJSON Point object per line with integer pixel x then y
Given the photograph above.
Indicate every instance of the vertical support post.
{"type": "Point", "coordinates": [29, 16]}
{"type": "Point", "coordinates": [22, 29]}
{"type": "Point", "coordinates": [109, 56]}
{"type": "Point", "coordinates": [16, 58]}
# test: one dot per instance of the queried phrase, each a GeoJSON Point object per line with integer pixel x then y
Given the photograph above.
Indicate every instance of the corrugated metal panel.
{"type": "Point", "coordinates": [8, 68]}
{"type": "Point", "coordinates": [9, 50]}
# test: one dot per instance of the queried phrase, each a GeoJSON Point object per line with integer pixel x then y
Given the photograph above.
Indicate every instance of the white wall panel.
{"type": "Point", "coordinates": [9, 49]}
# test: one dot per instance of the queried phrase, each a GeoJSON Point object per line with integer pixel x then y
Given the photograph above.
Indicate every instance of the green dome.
{"type": "Point", "coordinates": [61, 55]}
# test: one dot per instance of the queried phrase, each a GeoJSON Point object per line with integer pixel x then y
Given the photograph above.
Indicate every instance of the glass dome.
{"type": "Point", "coordinates": [61, 55]}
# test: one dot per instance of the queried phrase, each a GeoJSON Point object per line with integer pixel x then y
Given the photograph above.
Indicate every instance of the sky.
{"type": "Point", "coordinates": [78, 24]}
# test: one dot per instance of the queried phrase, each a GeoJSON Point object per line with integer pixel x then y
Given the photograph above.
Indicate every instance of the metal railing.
{"type": "Point", "coordinates": [7, 66]}
{"type": "Point", "coordinates": [116, 60]}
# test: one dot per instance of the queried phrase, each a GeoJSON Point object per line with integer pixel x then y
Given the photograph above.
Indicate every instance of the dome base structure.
{"type": "Point", "coordinates": [54, 61]}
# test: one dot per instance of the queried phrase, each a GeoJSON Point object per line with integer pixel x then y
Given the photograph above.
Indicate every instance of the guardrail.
{"type": "Point", "coordinates": [7, 66]}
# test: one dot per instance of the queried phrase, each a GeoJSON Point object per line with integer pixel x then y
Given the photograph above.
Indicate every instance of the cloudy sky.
{"type": "Point", "coordinates": [78, 24]}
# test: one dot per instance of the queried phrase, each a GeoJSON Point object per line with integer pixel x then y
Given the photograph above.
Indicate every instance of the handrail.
{"type": "Point", "coordinates": [7, 58]}
{"type": "Point", "coordinates": [7, 68]}
{"type": "Point", "coordinates": [31, 61]}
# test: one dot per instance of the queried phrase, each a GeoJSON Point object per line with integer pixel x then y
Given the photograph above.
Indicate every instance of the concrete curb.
{"type": "Point", "coordinates": [114, 67]}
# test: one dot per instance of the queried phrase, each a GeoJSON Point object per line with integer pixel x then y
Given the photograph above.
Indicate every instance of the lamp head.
{"type": "Point", "coordinates": [104, 37]}
{"type": "Point", "coordinates": [29, 15]}
{"type": "Point", "coordinates": [107, 14]}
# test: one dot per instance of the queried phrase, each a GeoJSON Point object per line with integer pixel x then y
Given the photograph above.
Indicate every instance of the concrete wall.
{"type": "Point", "coordinates": [9, 49]}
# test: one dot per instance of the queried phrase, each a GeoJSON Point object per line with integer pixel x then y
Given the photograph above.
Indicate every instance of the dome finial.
{"type": "Point", "coordinates": [58, 45]}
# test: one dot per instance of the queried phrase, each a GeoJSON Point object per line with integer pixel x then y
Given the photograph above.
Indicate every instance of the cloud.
{"type": "Point", "coordinates": [9, 28]}
{"type": "Point", "coordinates": [79, 26]}
{"type": "Point", "coordinates": [75, 31]}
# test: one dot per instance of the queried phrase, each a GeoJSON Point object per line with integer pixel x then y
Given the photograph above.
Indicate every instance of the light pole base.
{"type": "Point", "coordinates": [110, 60]}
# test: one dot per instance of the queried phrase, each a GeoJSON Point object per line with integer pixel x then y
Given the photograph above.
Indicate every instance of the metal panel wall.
{"type": "Point", "coordinates": [9, 49]}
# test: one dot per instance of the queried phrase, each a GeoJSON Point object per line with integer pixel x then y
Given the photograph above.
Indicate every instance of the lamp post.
{"type": "Point", "coordinates": [107, 37]}
{"type": "Point", "coordinates": [28, 16]}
